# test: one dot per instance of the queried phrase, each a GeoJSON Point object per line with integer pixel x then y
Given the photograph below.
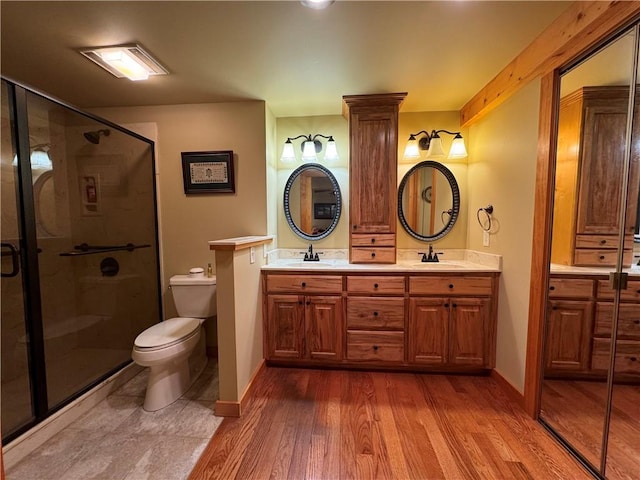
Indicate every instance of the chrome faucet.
{"type": "Point", "coordinates": [431, 257]}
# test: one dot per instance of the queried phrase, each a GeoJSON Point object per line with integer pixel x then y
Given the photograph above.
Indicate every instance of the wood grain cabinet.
{"type": "Point", "coordinates": [589, 178]}
{"type": "Point", "coordinates": [304, 318]}
{"type": "Point", "coordinates": [452, 330]}
{"type": "Point", "coordinates": [400, 321]}
{"type": "Point", "coordinates": [569, 326]}
{"type": "Point", "coordinates": [373, 165]}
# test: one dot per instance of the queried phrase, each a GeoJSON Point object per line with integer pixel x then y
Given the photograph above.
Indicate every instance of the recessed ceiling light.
{"type": "Point", "coordinates": [130, 61]}
{"type": "Point", "coordinates": [316, 4]}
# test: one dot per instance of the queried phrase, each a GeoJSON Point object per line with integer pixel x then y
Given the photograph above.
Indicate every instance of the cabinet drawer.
{"type": "Point", "coordinates": [365, 284]}
{"type": "Point", "coordinates": [630, 294]}
{"type": "Point", "coordinates": [374, 240]}
{"type": "Point", "coordinates": [601, 258]}
{"type": "Point", "coordinates": [373, 255]}
{"type": "Point", "coordinates": [602, 241]}
{"type": "Point", "coordinates": [375, 313]}
{"type": "Point", "coordinates": [628, 320]}
{"type": "Point", "coordinates": [570, 287]}
{"type": "Point", "coordinates": [375, 346]}
{"type": "Point", "coordinates": [627, 356]}
{"type": "Point", "coordinates": [466, 285]}
{"type": "Point", "coordinates": [304, 283]}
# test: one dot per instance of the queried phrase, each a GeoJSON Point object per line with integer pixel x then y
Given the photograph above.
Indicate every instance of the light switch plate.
{"type": "Point", "coordinates": [252, 255]}
{"type": "Point", "coordinates": [485, 239]}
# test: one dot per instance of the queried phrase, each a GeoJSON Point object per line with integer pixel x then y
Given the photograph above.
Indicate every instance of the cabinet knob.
{"type": "Point", "coordinates": [355, 227]}
{"type": "Point", "coordinates": [455, 305]}
{"type": "Point", "coordinates": [552, 288]}
{"type": "Point", "coordinates": [304, 284]}
{"type": "Point", "coordinates": [603, 242]}
{"type": "Point", "coordinates": [375, 314]}
{"type": "Point", "coordinates": [299, 302]}
{"type": "Point", "coordinates": [446, 305]}
{"type": "Point", "coordinates": [375, 285]}
{"type": "Point", "coordinates": [601, 257]}
{"type": "Point", "coordinates": [375, 347]}
{"type": "Point", "coordinates": [451, 285]}
{"type": "Point", "coordinates": [308, 302]}
{"type": "Point", "coordinates": [633, 359]}
{"type": "Point", "coordinates": [373, 254]}
{"type": "Point", "coordinates": [373, 240]}
{"type": "Point", "coordinates": [636, 322]}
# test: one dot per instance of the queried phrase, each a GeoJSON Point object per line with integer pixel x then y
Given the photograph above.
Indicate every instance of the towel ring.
{"type": "Point", "coordinates": [448, 212]}
{"type": "Point", "coordinates": [488, 210]}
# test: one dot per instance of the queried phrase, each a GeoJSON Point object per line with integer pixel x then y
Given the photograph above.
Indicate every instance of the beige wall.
{"type": "Point", "coordinates": [189, 222]}
{"type": "Point", "coordinates": [409, 123]}
{"type": "Point", "coordinates": [502, 166]}
{"type": "Point", "coordinates": [337, 126]}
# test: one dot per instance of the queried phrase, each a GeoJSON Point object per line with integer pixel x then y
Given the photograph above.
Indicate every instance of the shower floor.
{"type": "Point", "coordinates": [65, 375]}
{"type": "Point", "coordinates": [119, 440]}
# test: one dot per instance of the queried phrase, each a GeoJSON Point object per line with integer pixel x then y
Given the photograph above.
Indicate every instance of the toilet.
{"type": "Point", "coordinates": [174, 350]}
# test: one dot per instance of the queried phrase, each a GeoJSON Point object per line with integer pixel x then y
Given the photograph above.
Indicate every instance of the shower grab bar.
{"type": "Point", "coordinates": [86, 249]}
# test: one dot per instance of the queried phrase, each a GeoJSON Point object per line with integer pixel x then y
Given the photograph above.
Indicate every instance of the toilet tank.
{"type": "Point", "coordinates": [194, 295]}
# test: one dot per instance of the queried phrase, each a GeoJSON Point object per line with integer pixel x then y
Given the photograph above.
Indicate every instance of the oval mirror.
{"type": "Point", "coordinates": [312, 201]}
{"type": "Point", "coordinates": [428, 201]}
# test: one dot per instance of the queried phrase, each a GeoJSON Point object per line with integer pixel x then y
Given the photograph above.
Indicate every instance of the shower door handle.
{"type": "Point", "coordinates": [15, 259]}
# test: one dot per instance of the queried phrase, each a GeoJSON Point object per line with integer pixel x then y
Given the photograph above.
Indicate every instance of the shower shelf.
{"type": "Point", "coordinates": [86, 249]}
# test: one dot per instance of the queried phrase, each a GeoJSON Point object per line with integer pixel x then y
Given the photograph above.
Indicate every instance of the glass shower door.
{"type": "Point", "coordinates": [17, 408]}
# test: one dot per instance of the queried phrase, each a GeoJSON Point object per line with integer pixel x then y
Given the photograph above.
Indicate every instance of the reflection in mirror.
{"type": "Point", "coordinates": [588, 239]}
{"type": "Point", "coordinates": [428, 201]}
{"type": "Point", "coordinates": [312, 202]}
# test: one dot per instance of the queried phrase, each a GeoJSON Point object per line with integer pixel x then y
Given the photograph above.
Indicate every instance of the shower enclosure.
{"type": "Point", "coordinates": [80, 262]}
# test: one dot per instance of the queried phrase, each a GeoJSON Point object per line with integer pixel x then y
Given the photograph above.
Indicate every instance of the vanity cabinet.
{"type": "Point", "coordinates": [373, 166]}
{"type": "Point", "coordinates": [590, 161]}
{"type": "Point", "coordinates": [405, 321]}
{"type": "Point", "coordinates": [451, 321]}
{"type": "Point", "coordinates": [569, 326]}
{"type": "Point", "coordinates": [375, 319]}
{"type": "Point", "coordinates": [304, 317]}
{"type": "Point", "coordinates": [627, 358]}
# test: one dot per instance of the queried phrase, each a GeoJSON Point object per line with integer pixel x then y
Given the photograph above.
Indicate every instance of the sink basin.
{"type": "Point", "coordinates": [437, 265]}
{"type": "Point", "coordinates": [303, 264]}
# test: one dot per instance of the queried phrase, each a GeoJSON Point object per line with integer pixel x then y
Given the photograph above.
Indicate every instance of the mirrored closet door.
{"type": "Point", "coordinates": [590, 393]}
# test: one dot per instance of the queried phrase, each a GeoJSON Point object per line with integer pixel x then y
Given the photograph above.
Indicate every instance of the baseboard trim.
{"type": "Point", "coordinates": [512, 392]}
{"type": "Point", "coordinates": [225, 408]}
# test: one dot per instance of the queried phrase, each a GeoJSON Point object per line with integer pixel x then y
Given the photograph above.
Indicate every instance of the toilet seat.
{"type": "Point", "coordinates": [167, 333]}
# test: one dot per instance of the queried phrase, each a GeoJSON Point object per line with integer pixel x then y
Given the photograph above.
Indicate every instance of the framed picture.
{"type": "Point", "coordinates": [324, 211]}
{"type": "Point", "coordinates": [208, 172]}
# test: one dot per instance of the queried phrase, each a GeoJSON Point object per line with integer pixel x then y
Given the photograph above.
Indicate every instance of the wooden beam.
{"type": "Point", "coordinates": [575, 31]}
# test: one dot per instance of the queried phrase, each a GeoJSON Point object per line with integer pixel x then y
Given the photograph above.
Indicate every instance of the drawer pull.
{"type": "Point", "coordinates": [446, 305]}
{"type": "Point", "coordinates": [603, 242]}
{"type": "Point", "coordinates": [451, 285]}
{"type": "Point", "coordinates": [552, 287]}
{"type": "Point", "coordinates": [373, 240]}
{"type": "Point", "coordinates": [299, 302]}
{"type": "Point", "coordinates": [633, 359]}
{"type": "Point", "coordinates": [601, 257]}
{"type": "Point", "coordinates": [638, 291]}
{"type": "Point", "coordinates": [304, 284]}
{"type": "Point", "coordinates": [375, 314]}
{"type": "Point", "coordinates": [375, 348]}
{"type": "Point", "coordinates": [375, 285]}
{"type": "Point", "coordinates": [308, 302]}
{"type": "Point", "coordinates": [636, 322]}
{"type": "Point", "coordinates": [355, 227]}
{"type": "Point", "coordinates": [373, 254]}
{"type": "Point", "coordinates": [455, 305]}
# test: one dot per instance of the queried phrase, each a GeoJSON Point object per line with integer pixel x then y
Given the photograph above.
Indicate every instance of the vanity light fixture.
{"type": "Point", "coordinates": [311, 146]}
{"type": "Point", "coordinates": [433, 144]}
{"type": "Point", "coordinates": [130, 61]}
{"type": "Point", "coordinates": [316, 4]}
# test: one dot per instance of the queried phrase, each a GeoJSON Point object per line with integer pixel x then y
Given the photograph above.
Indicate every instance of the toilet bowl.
{"type": "Point", "coordinates": [174, 350]}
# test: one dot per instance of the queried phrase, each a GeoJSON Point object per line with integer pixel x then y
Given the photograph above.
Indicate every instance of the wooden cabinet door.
{"type": "Point", "coordinates": [285, 327]}
{"type": "Point", "coordinates": [603, 156]}
{"type": "Point", "coordinates": [373, 169]}
{"type": "Point", "coordinates": [323, 317]}
{"type": "Point", "coordinates": [568, 335]}
{"type": "Point", "coordinates": [468, 332]}
{"type": "Point", "coordinates": [428, 330]}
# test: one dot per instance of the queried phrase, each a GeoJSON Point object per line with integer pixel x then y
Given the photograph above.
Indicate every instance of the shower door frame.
{"type": "Point", "coordinates": [28, 251]}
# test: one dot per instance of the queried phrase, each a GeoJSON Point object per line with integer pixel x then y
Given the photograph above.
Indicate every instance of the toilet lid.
{"type": "Point", "coordinates": [167, 332]}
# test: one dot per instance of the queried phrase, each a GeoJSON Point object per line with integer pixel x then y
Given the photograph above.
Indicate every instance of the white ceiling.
{"type": "Point", "coordinates": [300, 61]}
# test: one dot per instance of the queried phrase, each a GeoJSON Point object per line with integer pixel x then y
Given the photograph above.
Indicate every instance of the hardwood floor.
{"type": "Point", "coordinates": [334, 424]}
